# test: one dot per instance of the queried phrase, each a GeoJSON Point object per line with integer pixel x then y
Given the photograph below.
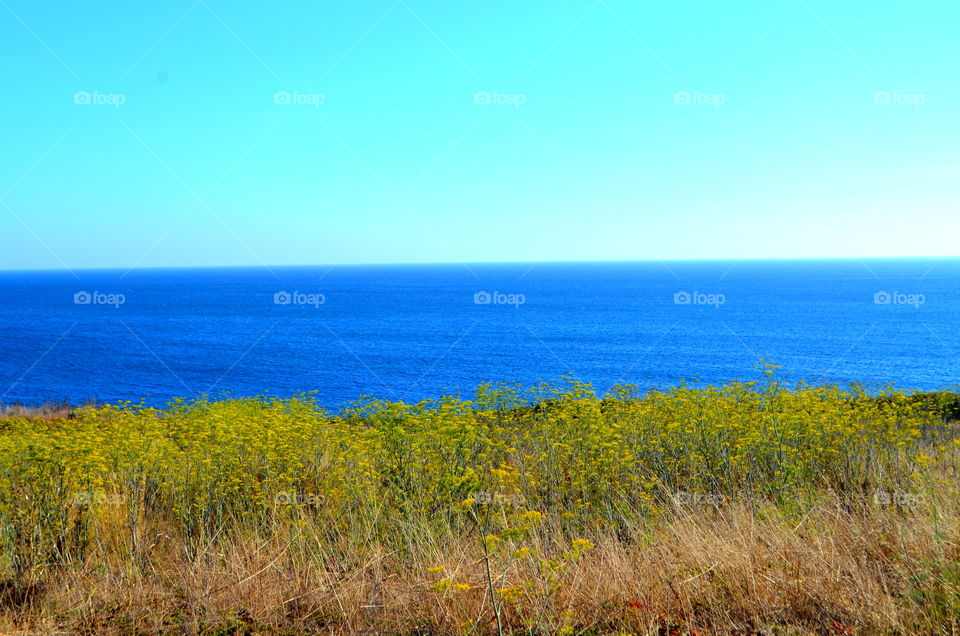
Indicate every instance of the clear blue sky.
{"type": "Point", "coordinates": [788, 147]}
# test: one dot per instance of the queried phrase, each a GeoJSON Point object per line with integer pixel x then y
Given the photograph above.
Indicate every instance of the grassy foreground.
{"type": "Point", "coordinates": [746, 509]}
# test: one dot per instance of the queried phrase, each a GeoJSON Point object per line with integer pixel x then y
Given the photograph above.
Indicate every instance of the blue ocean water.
{"type": "Point", "coordinates": [417, 331]}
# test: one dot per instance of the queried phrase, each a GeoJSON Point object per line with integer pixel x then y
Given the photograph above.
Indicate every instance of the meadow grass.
{"type": "Point", "coordinates": [746, 508]}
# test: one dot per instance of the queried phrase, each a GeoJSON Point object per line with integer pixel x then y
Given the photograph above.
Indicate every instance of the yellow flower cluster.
{"type": "Point", "coordinates": [211, 467]}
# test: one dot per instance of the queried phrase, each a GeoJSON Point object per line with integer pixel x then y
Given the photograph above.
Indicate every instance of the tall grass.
{"type": "Point", "coordinates": [740, 507]}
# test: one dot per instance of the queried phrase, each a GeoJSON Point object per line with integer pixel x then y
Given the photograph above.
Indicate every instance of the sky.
{"type": "Point", "coordinates": [208, 132]}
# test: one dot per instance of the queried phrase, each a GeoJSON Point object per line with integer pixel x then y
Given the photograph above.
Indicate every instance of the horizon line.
{"type": "Point", "coordinates": [504, 262]}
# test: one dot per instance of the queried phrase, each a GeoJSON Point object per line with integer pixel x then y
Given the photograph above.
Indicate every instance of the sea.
{"type": "Point", "coordinates": [415, 332]}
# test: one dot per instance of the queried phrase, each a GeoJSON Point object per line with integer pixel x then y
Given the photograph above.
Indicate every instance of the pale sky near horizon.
{"type": "Point", "coordinates": [207, 132]}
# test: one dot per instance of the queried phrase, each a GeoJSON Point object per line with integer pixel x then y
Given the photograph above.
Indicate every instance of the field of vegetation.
{"type": "Point", "coordinates": [748, 508]}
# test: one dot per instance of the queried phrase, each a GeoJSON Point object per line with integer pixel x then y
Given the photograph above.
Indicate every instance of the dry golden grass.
{"type": "Point", "coordinates": [50, 411]}
{"type": "Point", "coordinates": [706, 570]}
